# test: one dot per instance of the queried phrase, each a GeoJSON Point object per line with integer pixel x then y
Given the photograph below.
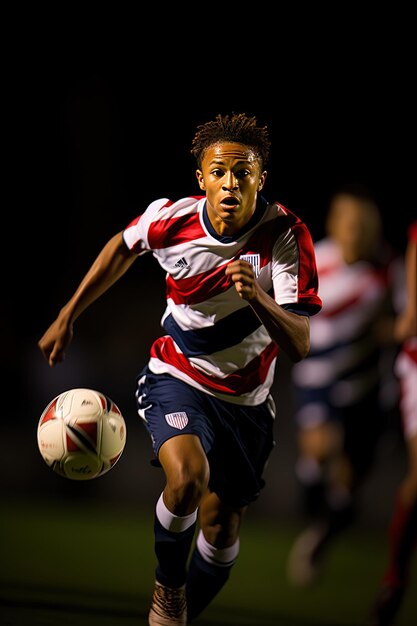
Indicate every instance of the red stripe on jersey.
{"type": "Point", "coordinates": [347, 303]}
{"type": "Point", "coordinates": [308, 280]}
{"type": "Point", "coordinates": [174, 230]}
{"type": "Point", "coordinates": [262, 240]}
{"type": "Point", "coordinates": [242, 381]}
{"type": "Point", "coordinates": [198, 288]}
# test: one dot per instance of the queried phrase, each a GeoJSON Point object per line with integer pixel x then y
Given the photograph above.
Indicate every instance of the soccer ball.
{"type": "Point", "coordinates": [81, 434]}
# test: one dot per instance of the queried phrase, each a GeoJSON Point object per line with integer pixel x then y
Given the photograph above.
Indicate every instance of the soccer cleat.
{"type": "Point", "coordinates": [169, 606]}
{"type": "Point", "coordinates": [387, 606]}
{"type": "Point", "coordinates": [302, 566]}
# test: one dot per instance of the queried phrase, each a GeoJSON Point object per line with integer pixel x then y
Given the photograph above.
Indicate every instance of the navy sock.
{"type": "Point", "coordinates": [204, 581]}
{"type": "Point", "coordinates": [172, 550]}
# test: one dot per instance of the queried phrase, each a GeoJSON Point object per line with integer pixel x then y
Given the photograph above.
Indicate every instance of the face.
{"type": "Point", "coordinates": [355, 225]}
{"type": "Point", "coordinates": [231, 177]}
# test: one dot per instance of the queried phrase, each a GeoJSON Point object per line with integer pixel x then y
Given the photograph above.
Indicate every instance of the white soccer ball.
{"type": "Point", "coordinates": [81, 434]}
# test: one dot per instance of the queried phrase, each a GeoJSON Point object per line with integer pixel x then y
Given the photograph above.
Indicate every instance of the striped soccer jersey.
{"type": "Point", "coordinates": [344, 354]}
{"type": "Point", "coordinates": [214, 341]}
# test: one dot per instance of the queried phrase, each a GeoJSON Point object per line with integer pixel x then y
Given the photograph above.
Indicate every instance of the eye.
{"type": "Point", "coordinates": [217, 172]}
{"type": "Point", "coordinates": [242, 173]}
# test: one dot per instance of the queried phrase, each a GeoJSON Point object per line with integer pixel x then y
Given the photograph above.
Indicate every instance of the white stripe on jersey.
{"type": "Point", "coordinates": [223, 363]}
{"type": "Point", "coordinates": [203, 314]}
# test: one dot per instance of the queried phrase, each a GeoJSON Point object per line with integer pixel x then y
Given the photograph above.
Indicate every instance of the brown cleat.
{"type": "Point", "coordinates": [169, 606]}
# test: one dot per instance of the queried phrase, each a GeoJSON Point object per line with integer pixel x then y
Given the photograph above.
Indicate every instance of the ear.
{"type": "Point", "coordinates": [262, 179]}
{"type": "Point", "coordinates": [200, 179]}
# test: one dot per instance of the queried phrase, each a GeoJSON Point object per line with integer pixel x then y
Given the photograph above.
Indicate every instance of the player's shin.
{"type": "Point", "coordinates": [208, 572]}
{"type": "Point", "coordinates": [173, 539]}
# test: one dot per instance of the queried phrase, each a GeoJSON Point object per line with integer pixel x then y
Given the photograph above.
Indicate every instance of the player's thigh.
{"type": "Point", "coordinates": [184, 461]}
{"type": "Point", "coordinates": [220, 522]}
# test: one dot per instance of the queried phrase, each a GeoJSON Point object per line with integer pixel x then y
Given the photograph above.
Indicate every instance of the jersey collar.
{"type": "Point", "coordinates": [261, 205]}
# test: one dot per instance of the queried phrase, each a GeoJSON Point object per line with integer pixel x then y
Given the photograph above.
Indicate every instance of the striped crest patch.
{"type": "Point", "coordinates": [177, 420]}
{"type": "Point", "coordinates": [254, 260]}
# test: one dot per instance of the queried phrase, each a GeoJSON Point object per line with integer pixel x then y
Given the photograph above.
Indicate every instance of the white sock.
{"type": "Point", "coordinates": [171, 522]}
{"type": "Point", "coordinates": [222, 557]}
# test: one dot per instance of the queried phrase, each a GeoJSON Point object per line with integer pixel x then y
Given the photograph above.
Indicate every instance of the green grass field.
{"type": "Point", "coordinates": [89, 564]}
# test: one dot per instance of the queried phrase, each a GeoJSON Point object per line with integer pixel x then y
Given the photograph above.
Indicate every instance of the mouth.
{"type": "Point", "coordinates": [229, 203]}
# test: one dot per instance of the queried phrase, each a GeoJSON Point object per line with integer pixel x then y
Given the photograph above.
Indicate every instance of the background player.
{"type": "Point", "coordinates": [337, 388]}
{"type": "Point", "coordinates": [241, 283]}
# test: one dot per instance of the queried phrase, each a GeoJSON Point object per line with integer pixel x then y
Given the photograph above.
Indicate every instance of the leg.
{"type": "Point", "coordinates": [186, 468]}
{"type": "Point", "coordinates": [319, 451]}
{"type": "Point", "coordinates": [326, 478]}
{"type": "Point", "coordinates": [402, 536]}
{"type": "Point", "coordinates": [402, 541]}
{"type": "Point", "coordinates": [215, 553]}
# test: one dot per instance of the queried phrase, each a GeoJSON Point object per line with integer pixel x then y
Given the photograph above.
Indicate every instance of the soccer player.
{"type": "Point", "coordinates": [402, 536]}
{"type": "Point", "coordinates": [337, 389]}
{"type": "Point", "coordinates": [241, 284]}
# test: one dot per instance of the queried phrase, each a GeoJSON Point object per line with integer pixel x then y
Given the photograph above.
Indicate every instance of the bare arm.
{"type": "Point", "coordinates": [289, 330]}
{"type": "Point", "coordinates": [111, 263]}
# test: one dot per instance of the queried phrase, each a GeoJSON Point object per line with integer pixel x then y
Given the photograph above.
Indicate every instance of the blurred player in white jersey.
{"type": "Point", "coordinates": [241, 284]}
{"type": "Point", "coordinates": [402, 538]}
{"type": "Point", "coordinates": [337, 388]}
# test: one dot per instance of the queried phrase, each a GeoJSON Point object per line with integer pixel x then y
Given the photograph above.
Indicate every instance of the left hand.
{"type": "Point", "coordinates": [242, 274]}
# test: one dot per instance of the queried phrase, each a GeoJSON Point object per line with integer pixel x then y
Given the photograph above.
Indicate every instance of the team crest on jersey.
{"type": "Point", "coordinates": [254, 260]}
{"type": "Point", "coordinates": [177, 420]}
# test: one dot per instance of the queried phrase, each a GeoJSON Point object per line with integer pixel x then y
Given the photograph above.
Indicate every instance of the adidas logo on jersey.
{"type": "Point", "coordinates": [181, 263]}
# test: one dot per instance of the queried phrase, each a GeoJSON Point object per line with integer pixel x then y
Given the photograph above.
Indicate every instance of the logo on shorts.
{"type": "Point", "coordinates": [254, 260]}
{"type": "Point", "coordinates": [177, 420]}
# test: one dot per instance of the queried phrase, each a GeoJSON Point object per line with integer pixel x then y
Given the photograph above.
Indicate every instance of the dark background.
{"type": "Point", "coordinates": [99, 107]}
{"type": "Point", "coordinates": [101, 123]}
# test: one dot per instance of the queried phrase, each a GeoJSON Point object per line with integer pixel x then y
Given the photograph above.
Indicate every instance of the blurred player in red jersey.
{"type": "Point", "coordinates": [241, 284]}
{"type": "Point", "coordinates": [403, 525]}
{"type": "Point", "coordinates": [337, 388]}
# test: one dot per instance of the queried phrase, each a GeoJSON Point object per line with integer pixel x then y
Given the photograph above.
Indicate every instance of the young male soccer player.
{"type": "Point", "coordinates": [337, 388]}
{"type": "Point", "coordinates": [241, 284]}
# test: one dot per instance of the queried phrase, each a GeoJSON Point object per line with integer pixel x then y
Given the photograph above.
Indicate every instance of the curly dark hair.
{"type": "Point", "coordinates": [237, 127]}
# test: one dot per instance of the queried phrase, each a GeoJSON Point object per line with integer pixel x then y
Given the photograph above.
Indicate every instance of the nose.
{"type": "Point", "coordinates": [230, 182]}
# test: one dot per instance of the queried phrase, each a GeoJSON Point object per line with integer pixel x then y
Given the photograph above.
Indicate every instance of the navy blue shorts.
{"type": "Point", "coordinates": [236, 439]}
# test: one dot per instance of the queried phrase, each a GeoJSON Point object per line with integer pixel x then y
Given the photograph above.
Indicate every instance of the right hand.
{"type": "Point", "coordinates": [55, 341]}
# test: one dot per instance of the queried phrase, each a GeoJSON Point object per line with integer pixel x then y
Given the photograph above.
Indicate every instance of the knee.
{"type": "Point", "coordinates": [186, 484]}
{"type": "Point", "coordinates": [320, 442]}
